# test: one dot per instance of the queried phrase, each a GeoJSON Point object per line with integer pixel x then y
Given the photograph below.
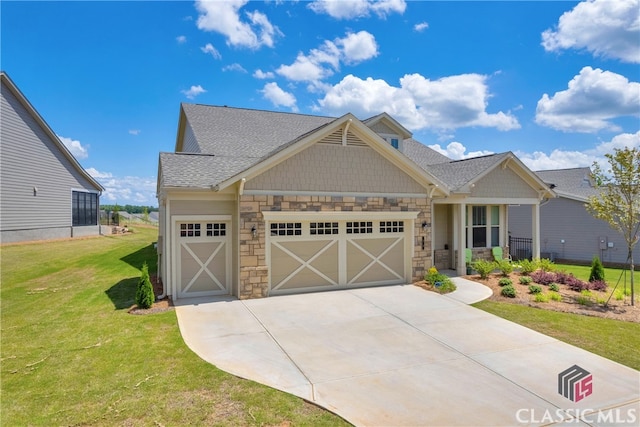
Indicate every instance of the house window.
{"type": "Point", "coordinates": [84, 208]}
{"type": "Point", "coordinates": [216, 229]}
{"type": "Point", "coordinates": [485, 226]}
{"type": "Point", "coordinates": [391, 226]}
{"type": "Point", "coordinates": [190, 230]}
{"type": "Point", "coordinates": [359, 227]}
{"type": "Point", "coordinates": [286, 229]}
{"type": "Point", "coordinates": [394, 143]}
{"type": "Point", "coordinates": [316, 228]}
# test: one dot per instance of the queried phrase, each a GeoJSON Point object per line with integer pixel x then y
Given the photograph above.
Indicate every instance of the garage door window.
{"type": "Point", "coordinates": [316, 228]}
{"type": "Point", "coordinates": [286, 229]}
{"type": "Point", "coordinates": [360, 227]}
{"type": "Point", "coordinates": [190, 230]}
{"type": "Point", "coordinates": [216, 229]}
{"type": "Point", "coordinates": [391, 226]}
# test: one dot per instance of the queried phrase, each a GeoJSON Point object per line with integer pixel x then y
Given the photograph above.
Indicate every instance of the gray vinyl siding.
{"type": "Point", "coordinates": [568, 220]}
{"type": "Point", "coordinates": [503, 182]}
{"type": "Point", "coordinates": [189, 142]}
{"type": "Point", "coordinates": [31, 159]}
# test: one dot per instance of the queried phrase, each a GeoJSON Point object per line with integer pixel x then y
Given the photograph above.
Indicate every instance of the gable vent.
{"type": "Point", "coordinates": [336, 139]}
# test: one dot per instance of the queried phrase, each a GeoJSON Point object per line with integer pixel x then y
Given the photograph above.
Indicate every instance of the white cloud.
{"type": "Point", "coordinates": [193, 91]}
{"type": "Point", "coordinates": [592, 98]}
{"type": "Point", "coordinates": [234, 67]}
{"type": "Point", "coordinates": [420, 27]}
{"type": "Point", "coordinates": [324, 61]}
{"type": "Point", "coordinates": [419, 103]}
{"type": "Point", "coordinates": [358, 47]}
{"type": "Point", "coordinates": [456, 151]}
{"type": "Point", "coordinates": [351, 9]}
{"type": "Point", "coordinates": [181, 39]}
{"type": "Point", "coordinates": [75, 147]}
{"type": "Point", "coordinates": [134, 131]}
{"type": "Point", "coordinates": [208, 48]}
{"type": "Point", "coordinates": [564, 159]}
{"type": "Point", "coordinates": [133, 190]}
{"type": "Point", "coordinates": [278, 97]}
{"type": "Point", "coordinates": [224, 17]}
{"type": "Point", "coordinates": [259, 74]}
{"type": "Point", "coordinates": [608, 28]}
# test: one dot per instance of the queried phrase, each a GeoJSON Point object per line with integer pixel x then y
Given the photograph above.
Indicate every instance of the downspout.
{"type": "Point", "coordinates": [164, 251]}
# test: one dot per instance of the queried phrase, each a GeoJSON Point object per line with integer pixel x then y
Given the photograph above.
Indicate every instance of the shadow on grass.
{"type": "Point", "coordinates": [147, 254]}
{"type": "Point", "coordinates": [123, 293]}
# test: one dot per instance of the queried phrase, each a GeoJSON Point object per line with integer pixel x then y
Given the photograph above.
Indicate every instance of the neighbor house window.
{"type": "Point", "coordinates": [84, 208]}
{"type": "Point", "coordinates": [485, 226]}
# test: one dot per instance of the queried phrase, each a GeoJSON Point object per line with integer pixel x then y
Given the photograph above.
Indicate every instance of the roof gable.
{"type": "Point", "coordinates": [574, 183]}
{"type": "Point", "coordinates": [388, 122]}
{"type": "Point", "coordinates": [7, 84]}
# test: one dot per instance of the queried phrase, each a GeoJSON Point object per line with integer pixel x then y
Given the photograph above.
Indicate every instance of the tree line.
{"type": "Point", "coordinates": [132, 209]}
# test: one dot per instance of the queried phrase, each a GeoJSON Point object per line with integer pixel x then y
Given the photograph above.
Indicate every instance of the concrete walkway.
{"type": "Point", "coordinates": [403, 356]}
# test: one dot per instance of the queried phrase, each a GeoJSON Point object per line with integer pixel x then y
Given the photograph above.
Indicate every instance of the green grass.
{"type": "Point", "coordinates": [611, 275]}
{"type": "Point", "coordinates": [72, 355]}
{"type": "Point", "coordinates": [613, 339]}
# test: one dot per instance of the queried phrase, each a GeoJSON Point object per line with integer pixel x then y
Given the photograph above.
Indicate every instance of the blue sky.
{"type": "Point", "coordinates": [555, 82]}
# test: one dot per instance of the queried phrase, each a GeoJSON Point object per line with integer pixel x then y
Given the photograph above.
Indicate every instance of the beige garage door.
{"type": "Point", "coordinates": [315, 255]}
{"type": "Point", "coordinates": [204, 255]}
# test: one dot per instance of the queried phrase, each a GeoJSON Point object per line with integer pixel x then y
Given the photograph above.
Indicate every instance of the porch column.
{"type": "Point", "coordinates": [535, 230]}
{"type": "Point", "coordinates": [460, 240]}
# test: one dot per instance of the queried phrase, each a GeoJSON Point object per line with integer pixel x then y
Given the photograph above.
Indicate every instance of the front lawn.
{"type": "Point", "coordinates": [72, 355]}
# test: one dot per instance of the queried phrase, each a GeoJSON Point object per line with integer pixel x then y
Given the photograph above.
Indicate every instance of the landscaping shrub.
{"type": "Point", "coordinates": [505, 266]}
{"type": "Point", "coordinates": [546, 264]}
{"type": "Point", "coordinates": [597, 270]}
{"type": "Point", "coordinates": [576, 284]}
{"type": "Point", "coordinates": [483, 267]}
{"type": "Point", "coordinates": [439, 281]}
{"type": "Point", "coordinates": [555, 296]}
{"type": "Point", "coordinates": [619, 295]}
{"type": "Point", "coordinates": [527, 266]}
{"type": "Point", "coordinates": [144, 292]}
{"type": "Point", "coordinates": [598, 285]}
{"type": "Point", "coordinates": [543, 277]}
{"type": "Point", "coordinates": [554, 287]}
{"type": "Point", "coordinates": [535, 289]}
{"type": "Point", "coordinates": [541, 298]}
{"type": "Point", "coordinates": [508, 291]}
{"type": "Point", "coordinates": [584, 300]}
{"type": "Point", "coordinates": [505, 282]}
{"type": "Point", "coordinates": [525, 280]}
{"type": "Point", "coordinates": [562, 276]}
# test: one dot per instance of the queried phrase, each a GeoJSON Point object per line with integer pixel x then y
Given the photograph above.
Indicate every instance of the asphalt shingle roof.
{"type": "Point", "coordinates": [458, 173]}
{"type": "Point", "coordinates": [573, 182]}
{"type": "Point", "coordinates": [199, 171]}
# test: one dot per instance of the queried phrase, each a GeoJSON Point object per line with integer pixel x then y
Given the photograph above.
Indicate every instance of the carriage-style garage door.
{"type": "Point", "coordinates": [203, 257]}
{"type": "Point", "coordinates": [339, 253]}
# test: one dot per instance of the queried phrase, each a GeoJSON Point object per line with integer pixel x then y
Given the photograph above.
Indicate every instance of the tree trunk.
{"type": "Point", "coordinates": [633, 296]}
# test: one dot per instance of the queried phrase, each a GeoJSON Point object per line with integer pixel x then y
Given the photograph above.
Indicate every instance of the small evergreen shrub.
{"type": "Point", "coordinates": [541, 298]}
{"type": "Point", "coordinates": [504, 266]}
{"type": "Point", "coordinates": [543, 277]}
{"type": "Point", "coordinates": [554, 296]}
{"type": "Point", "coordinates": [525, 280]}
{"type": "Point", "coordinates": [535, 289]}
{"type": "Point", "coordinates": [527, 266]}
{"type": "Point", "coordinates": [508, 291]}
{"type": "Point", "coordinates": [505, 282]}
{"type": "Point", "coordinates": [546, 264]}
{"type": "Point", "coordinates": [483, 267]}
{"type": "Point", "coordinates": [597, 270]}
{"type": "Point", "coordinates": [144, 292]}
{"type": "Point", "coordinates": [554, 287]}
{"type": "Point", "coordinates": [598, 285]}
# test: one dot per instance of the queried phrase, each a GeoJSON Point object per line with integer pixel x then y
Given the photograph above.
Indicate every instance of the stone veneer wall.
{"type": "Point", "coordinates": [254, 272]}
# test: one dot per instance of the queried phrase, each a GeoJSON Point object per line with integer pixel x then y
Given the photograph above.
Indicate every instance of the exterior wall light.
{"type": "Point", "coordinates": [254, 232]}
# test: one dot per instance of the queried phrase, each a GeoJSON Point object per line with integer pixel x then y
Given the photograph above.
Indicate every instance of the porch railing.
{"type": "Point", "coordinates": [520, 248]}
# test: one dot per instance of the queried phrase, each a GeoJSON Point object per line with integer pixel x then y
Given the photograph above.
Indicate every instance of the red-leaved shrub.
{"type": "Point", "coordinates": [543, 277]}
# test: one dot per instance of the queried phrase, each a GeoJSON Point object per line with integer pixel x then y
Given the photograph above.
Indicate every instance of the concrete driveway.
{"type": "Point", "coordinates": [400, 355]}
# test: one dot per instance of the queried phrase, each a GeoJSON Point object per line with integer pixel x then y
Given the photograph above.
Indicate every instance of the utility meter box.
{"type": "Point", "coordinates": [602, 242]}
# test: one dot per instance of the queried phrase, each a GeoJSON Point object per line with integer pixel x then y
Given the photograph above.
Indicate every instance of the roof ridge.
{"type": "Point", "coordinates": [259, 110]}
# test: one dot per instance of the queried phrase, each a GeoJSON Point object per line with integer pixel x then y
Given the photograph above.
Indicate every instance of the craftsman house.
{"type": "Point", "coordinates": [258, 203]}
{"type": "Point", "coordinates": [44, 192]}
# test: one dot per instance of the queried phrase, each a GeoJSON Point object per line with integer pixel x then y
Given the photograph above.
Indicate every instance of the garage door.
{"type": "Point", "coordinates": [316, 255]}
{"type": "Point", "coordinates": [204, 258]}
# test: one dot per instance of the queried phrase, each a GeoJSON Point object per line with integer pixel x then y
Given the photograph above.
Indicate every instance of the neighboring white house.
{"type": "Point", "coordinates": [568, 232]}
{"type": "Point", "coordinates": [257, 203]}
{"type": "Point", "coordinates": [44, 192]}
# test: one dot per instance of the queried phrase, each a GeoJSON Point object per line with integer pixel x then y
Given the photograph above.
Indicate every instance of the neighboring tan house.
{"type": "Point", "coordinates": [257, 203]}
{"type": "Point", "coordinates": [568, 232]}
{"type": "Point", "coordinates": [44, 192]}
